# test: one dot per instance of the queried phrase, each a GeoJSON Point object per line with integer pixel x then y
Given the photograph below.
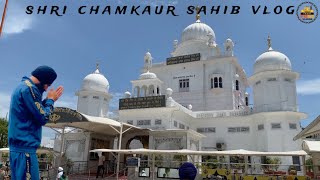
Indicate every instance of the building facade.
{"type": "Point", "coordinates": [197, 99]}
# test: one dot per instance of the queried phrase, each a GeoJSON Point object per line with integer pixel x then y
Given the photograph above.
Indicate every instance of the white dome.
{"type": "Point", "coordinates": [127, 94]}
{"type": "Point", "coordinates": [148, 75]}
{"type": "Point", "coordinates": [272, 60]}
{"type": "Point", "coordinates": [197, 31]}
{"type": "Point", "coordinates": [95, 82]}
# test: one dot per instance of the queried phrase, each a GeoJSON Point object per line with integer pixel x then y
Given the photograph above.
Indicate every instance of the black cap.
{"type": "Point", "coordinates": [45, 74]}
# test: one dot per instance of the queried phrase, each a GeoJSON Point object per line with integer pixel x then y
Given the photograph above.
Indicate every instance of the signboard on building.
{"type": "Point", "coordinates": [183, 59]}
{"type": "Point", "coordinates": [142, 102]}
{"type": "Point", "coordinates": [66, 115]}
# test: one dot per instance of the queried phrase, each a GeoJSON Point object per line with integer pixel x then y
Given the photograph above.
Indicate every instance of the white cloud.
{"type": "Point", "coordinates": [47, 142]}
{"type": "Point", "coordinates": [4, 103]}
{"type": "Point", "coordinates": [308, 87]}
{"type": "Point", "coordinates": [17, 21]}
{"type": "Point", "coordinates": [68, 101]}
{"type": "Point", "coordinates": [114, 103]}
{"type": "Point", "coordinates": [65, 101]}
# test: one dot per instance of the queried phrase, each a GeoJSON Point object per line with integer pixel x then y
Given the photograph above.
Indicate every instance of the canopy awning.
{"type": "Point", "coordinates": [39, 151]}
{"type": "Point", "coordinates": [239, 152]}
{"type": "Point", "coordinates": [66, 117]}
{"type": "Point", "coordinates": [311, 146]}
{"type": "Point", "coordinates": [312, 129]}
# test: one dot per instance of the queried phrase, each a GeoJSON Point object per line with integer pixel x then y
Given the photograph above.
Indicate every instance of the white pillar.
{"type": "Point", "coordinates": [118, 158]}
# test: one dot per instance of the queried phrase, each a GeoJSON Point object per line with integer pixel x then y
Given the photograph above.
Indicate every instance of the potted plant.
{"type": "Point", "coordinates": [275, 165]}
{"type": "Point", "coordinates": [309, 166]}
{"type": "Point", "coordinates": [292, 170]}
{"type": "Point", "coordinates": [266, 167]}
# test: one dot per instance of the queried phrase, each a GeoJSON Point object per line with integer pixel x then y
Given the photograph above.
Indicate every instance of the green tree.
{"type": "Point", "coordinates": [3, 133]}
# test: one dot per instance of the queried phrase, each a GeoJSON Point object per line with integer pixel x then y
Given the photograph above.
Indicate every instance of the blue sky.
{"type": "Point", "coordinates": [73, 43]}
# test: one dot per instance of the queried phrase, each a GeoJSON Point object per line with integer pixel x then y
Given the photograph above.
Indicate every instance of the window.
{"type": "Point", "coordinates": [238, 129]}
{"type": "Point", "coordinates": [144, 122]}
{"type": "Point", "coordinates": [272, 79]}
{"type": "Point", "coordinates": [288, 80]}
{"type": "Point", "coordinates": [181, 126]}
{"type": "Point", "coordinates": [158, 90]}
{"type": "Point", "coordinates": [175, 124]}
{"type": "Point", "coordinates": [130, 122]}
{"type": "Point", "coordinates": [95, 97]}
{"type": "Point", "coordinates": [275, 125]}
{"type": "Point", "coordinates": [216, 82]}
{"type": "Point", "coordinates": [157, 122]}
{"type": "Point", "coordinates": [247, 101]}
{"type": "Point", "coordinates": [292, 126]}
{"type": "Point", "coordinates": [206, 130]}
{"type": "Point", "coordinates": [258, 82]}
{"type": "Point", "coordinates": [84, 96]}
{"type": "Point", "coordinates": [184, 85]}
{"type": "Point", "coordinates": [105, 99]}
{"type": "Point", "coordinates": [211, 83]}
{"type": "Point", "coordinates": [260, 127]}
{"type": "Point", "coordinates": [220, 82]}
{"type": "Point", "coordinates": [296, 162]}
{"type": "Point", "coordinates": [237, 85]}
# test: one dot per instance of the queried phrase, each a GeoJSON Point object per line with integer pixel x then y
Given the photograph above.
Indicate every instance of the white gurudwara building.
{"type": "Point", "coordinates": [197, 99]}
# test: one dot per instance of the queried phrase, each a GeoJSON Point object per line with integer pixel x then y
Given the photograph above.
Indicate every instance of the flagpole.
{"type": "Point", "coordinates": [3, 16]}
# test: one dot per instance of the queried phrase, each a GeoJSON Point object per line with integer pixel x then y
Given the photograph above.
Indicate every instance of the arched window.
{"type": "Point", "coordinates": [215, 82]}
{"type": "Point", "coordinates": [158, 90]}
{"type": "Point", "coordinates": [220, 82]}
{"type": "Point", "coordinates": [247, 101]}
{"type": "Point", "coordinates": [237, 85]}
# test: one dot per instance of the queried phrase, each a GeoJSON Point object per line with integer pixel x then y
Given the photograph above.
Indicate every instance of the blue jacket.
{"type": "Point", "coordinates": [28, 113]}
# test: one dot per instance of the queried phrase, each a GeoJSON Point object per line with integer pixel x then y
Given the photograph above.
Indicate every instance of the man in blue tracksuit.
{"type": "Point", "coordinates": [28, 113]}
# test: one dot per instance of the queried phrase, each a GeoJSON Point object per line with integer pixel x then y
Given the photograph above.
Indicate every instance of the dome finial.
{"type": "Point", "coordinates": [198, 13]}
{"type": "Point", "coordinates": [97, 65]}
{"type": "Point", "coordinates": [269, 42]}
{"type": "Point", "coordinates": [97, 68]}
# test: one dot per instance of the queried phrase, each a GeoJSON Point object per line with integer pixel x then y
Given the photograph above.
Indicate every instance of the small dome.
{"type": "Point", "coordinates": [197, 31]}
{"type": "Point", "coordinates": [229, 40]}
{"type": "Point", "coordinates": [127, 94]}
{"type": "Point", "coordinates": [95, 82]}
{"type": "Point", "coordinates": [169, 92]}
{"type": "Point", "coordinates": [272, 60]}
{"type": "Point", "coordinates": [148, 75]}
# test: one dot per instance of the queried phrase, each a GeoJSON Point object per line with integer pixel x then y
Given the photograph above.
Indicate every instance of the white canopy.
{"type": "Point", "coordinates": [311, 146]}
{"type": "Point", "coordinates": [65, 117]}
{"type": "Point", "coordinates": [312, 129]}
{"type": "Point", "coordinates": [190, 152]}
{"type": "Point", "coordinates": [39, 151]}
